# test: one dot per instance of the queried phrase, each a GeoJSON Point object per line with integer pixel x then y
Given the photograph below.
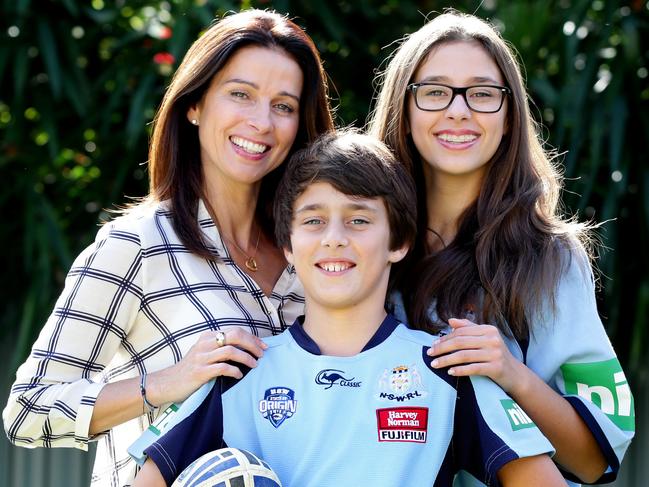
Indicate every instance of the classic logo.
{"type": "Point", "coordinates": [331, 377]}
{"type": "Point", "coordinates": [401, 383]}
{"type": "Point", "coordinates": [604, 385]}
{"type": "Point", "coordinates": [402, 424]}
{"type": "Point", "coordinates": [278, 405]}
{"type": "Point", "coordinates": [517, 417]}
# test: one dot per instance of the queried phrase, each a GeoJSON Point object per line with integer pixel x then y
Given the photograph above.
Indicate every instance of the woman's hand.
{"type": "Point", "coordinates": [472, 349]}
{"type": "Point", "coordinates": [206, 360]}
{"type": "Point", "coordinates": [121, 401]}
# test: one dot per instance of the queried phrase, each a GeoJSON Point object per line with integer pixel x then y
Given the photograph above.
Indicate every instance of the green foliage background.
{"type": "Point", "coordinates": [80, 80]}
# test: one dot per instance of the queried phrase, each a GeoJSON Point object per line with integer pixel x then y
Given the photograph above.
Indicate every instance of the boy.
{"type": "Point", "coordinates": [345, 396]}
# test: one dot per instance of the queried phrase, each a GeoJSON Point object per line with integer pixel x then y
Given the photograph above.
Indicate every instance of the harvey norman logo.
{"type": "Point", "coordinates": [517, 417]}
{"type": "Point", "coordinates": [403, 424]}
{"type": "Point", "coordinates": [603, 384]}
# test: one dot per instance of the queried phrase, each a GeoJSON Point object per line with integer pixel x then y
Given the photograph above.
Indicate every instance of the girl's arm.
{"type": "Point", "coordinates": [538, 471]}
{"type": "Point", "coordinates": [149, 476]}
{"type": "Point", "coordinates": [571, 384]}
{"type": "Point", "coordinates": [480, 350]}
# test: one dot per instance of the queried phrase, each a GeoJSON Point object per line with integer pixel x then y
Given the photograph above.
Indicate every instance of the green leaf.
{"type": "Point", "coordinates": [5, 55]}
{"type": "Point", "coordinates": [136, 119]}
{"type": "Point", "coordinates": [640, 336]}
{"type": "Point", "coordinates": [71, 6]}
{"type": "Point", "coordinates": [22, 6]}
{"type": "Point", "coordinates": [20, 69]}
{"type": "Point", "coordinates": [618, 131]}
{"type": "Point", "coordinates": [47, 45]}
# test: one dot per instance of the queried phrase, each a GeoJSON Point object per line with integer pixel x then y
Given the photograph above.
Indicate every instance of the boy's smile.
{"type": "Point", "coordinates": [340, 248]}
{"type": "Point", "coordinates": [335, 266]}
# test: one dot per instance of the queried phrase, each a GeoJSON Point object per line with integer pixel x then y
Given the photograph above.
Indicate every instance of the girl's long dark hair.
{"type": "Point", "coordinates": [512, 243]}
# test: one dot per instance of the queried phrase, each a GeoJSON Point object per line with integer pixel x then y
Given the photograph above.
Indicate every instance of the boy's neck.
{"type": "Point", "coordinates": [344, 332]}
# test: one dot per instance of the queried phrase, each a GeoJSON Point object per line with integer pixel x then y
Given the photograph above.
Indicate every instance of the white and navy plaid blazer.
{"type": "Point", "coordinates": [134, 301]}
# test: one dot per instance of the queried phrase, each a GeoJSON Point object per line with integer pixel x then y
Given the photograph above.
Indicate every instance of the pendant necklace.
{"type": "Point", "coordinates": [250, 262]}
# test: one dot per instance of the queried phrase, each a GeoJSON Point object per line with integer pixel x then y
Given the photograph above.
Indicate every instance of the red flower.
{"type": "Point", "coordinates": [163, 58]}
{"type": "Point", "coordinates": [165, 33]}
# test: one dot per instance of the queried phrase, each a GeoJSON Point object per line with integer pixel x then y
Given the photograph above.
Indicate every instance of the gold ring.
{"type": "Point", "coordinates": [220, 338]}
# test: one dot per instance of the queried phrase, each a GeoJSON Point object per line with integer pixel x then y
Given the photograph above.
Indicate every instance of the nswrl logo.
{"type": "Point", "coordinates": [604, 385]}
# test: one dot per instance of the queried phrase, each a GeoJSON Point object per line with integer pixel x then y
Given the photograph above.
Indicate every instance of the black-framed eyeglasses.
{"type": "Point", "coordinates": [434, 97]}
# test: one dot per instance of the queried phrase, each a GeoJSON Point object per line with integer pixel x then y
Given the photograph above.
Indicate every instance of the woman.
{"type": "Point", "coordinates": [156, 306]}
{"type": "Point", "coordinates": [492, 247]}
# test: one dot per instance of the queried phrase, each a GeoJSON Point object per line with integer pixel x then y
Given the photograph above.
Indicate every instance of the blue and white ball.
{"type": "Point", "coordinates": [228, 467]}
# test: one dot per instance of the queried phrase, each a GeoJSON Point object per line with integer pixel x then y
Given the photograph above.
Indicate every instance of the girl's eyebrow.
{"type": "Point", "coordinates": [256, 86]}
{"type": "Point", "coordinates": [475, 79]}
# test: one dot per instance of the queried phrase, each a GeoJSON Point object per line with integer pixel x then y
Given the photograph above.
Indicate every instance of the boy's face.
{"type": "Point", "coordinates": [340, 248]}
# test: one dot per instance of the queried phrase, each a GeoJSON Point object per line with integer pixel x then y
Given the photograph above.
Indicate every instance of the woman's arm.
{"type": "Point", "coordinates": [59, 397]}
{"type": "Point", "coordinates": [538, 471]}
{"type": "Point", "coordinates": [121, 401]}
{"type": "Point", "coordinates": [52, 399]}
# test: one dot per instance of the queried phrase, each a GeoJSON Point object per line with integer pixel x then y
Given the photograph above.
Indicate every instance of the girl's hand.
{"type": "Point", "coordinates": [206, 360]}
{"type": "Point", "coordinates": [472, 349]}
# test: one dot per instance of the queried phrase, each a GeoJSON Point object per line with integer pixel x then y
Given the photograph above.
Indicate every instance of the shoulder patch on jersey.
{"type": "Point", "coordinates": [278, 405]}
{"type": "Point", "coordinates": [518, 419]}
{"type": "Point", "coordinates": [401, 383]}
{"type": "Point", "coordinates": [160, 424]}
{"type": "Point", "coordinates": [409, 424]}
{"type": "Point", "coordinates": [604, 385]}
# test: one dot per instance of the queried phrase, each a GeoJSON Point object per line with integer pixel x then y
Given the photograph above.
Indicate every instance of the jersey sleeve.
{"type": "Point", "coordinates": [52, 399]}
{"type": "Point", "coordinates": [184, 432]}
{"type": "Point", "coordinates": [491, 430]}
{"type": "Point", "coordinates": [571, 351]}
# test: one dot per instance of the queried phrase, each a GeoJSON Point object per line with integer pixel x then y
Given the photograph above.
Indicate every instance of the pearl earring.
{"type": "Point", "coordinates": [194, 121]}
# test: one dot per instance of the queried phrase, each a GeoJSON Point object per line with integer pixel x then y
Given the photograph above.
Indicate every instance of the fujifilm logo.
{"type": "Point", "coordinates": [604, 385]}
{"type": "Point", "coordinates": [517, 417]}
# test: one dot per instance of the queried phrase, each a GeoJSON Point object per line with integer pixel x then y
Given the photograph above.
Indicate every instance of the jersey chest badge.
{"type": "Point", "coordinates": [408, 424]}
{"type": "Point", "coordinates": [278, 405]}
{"type": "Point", "coordinates": [401, 383]}
{"type": "Point", "coordinates": [331, 377]}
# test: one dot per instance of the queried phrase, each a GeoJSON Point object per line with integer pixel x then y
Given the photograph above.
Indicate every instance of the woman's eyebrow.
{"type": "Point", "coordinates": [256, 86]}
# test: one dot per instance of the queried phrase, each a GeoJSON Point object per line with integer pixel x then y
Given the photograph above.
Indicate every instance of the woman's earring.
{"type": "Point", "coordinates": [194, 121]}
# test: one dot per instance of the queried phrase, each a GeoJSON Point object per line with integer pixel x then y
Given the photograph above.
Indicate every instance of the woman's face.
{"type": "Point", "coordinates": [457, 142]}
{"type": "Point", "coordinates": [248, 117]}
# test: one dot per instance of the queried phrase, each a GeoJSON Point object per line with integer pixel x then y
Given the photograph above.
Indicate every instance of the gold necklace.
{"type": "Point", "coordinates": [250, 262]}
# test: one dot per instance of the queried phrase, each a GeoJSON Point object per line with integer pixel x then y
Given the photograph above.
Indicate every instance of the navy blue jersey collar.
{"type": "Point", "coordinates": [304, 340]}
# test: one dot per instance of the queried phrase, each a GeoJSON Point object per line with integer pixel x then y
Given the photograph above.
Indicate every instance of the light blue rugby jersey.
{"type": "Point", "coordinates": [570, 351]}
{"type": "Point", "coordinates": [380, 418]}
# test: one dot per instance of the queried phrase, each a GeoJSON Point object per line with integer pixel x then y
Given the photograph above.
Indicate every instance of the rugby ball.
{"type": "Point", "coordinates": [228, 467]}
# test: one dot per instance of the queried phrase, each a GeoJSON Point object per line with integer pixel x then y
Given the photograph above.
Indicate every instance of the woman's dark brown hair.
{"type": "Point", "coordinates": [175, 171]}
{"type": "Point", "coordinates": [512, 243]}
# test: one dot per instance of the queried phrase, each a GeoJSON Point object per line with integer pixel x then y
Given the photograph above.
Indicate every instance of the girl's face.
{"type": "Point", "coordinates": [248, 117]}
{"type": "Point", "coordinates": [457, 142]}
